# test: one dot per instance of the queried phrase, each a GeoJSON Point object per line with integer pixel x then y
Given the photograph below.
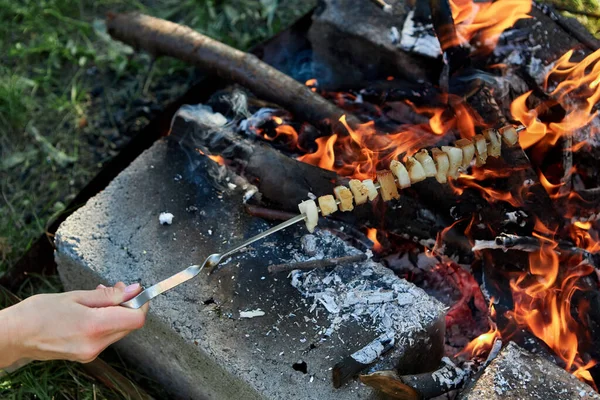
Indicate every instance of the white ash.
{"type": "Point", "coordinates": [373, 350]}
{"type": "Point", "coordinates": [165, 218]}
{"type": "Point", "coordinates": [366, 292]}
{"type": "Point", "coordinates": [249, 193]}
{"type": "Point", "coordinates": [394, 35]}
{"type": "Point", "coordinates": [252, 313]}
{"type": "Point", "coordinates": [516, 217]}
{"type": "Point", "coordinates": [419, 38]}
{"type": "Point", "coordinates": [491, 244]}
{"type": "Point", "coordinates": [449, 375]}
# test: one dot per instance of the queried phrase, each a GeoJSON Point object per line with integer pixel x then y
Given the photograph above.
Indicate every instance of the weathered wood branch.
{"type": "Point", "coordinates": [160, 37]}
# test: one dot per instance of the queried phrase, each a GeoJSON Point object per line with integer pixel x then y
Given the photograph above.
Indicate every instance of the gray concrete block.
{"type": "Point", "coordinates": [355, 41]}
{"type": "Point", "coordinates": [195, 343]}
{"type": "Point", "coordinates": [516, 374]}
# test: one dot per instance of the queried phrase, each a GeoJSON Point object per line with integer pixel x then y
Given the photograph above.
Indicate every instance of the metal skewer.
{"type": "Point", "coordinates": [211, 261]}
{"type": "Point", "coordinates": [214, 259]}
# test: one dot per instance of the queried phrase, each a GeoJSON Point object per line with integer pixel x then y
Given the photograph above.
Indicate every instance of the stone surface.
{"type": "Point", "coordinates": [354, 41]}
{"type": "Point", "coordinates": [516, 374]}
{"type": "Point", "coordinates": [194, 342]}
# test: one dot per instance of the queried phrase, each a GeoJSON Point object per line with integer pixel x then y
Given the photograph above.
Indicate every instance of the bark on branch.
{"type": "Point", "coordinates": [160, 37]}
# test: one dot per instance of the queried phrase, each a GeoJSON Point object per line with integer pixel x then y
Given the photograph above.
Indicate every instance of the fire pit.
{"type": "Point", "coordinates": [454, 169]}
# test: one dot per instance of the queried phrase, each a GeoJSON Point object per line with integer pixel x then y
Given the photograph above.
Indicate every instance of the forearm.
{"type": "Point", "coordinates": [12, 353]}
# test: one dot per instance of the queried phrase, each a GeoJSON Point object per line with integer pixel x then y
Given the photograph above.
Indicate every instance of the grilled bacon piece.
{"type": "Point", "coordinates": [327, 205]}
{"type": "Point", "coordinates": [415, 170]}
{"type": "Point", "coordinates": [309, 208]}
{"type": "Point", "coordinates": [401, 174]}
{"type": "Point", "coordinates": [373, 193]}
{"type": "Point", "coordinates": [360, 191]}
{"type": "Point", "coordinates": [455, 158]}
{"type": "Point", "coordinates": [468, 150]}
{"type": "Point", "coordinates": [427, 162]}
{"type": "Point", "coordinates": [388, 187]}
{"type": "Point", "coordinates": [480, 150]}
{"type": "Point", "coordinates": [344, 195]}
{"type": "Point", "coordinates": [509, 135]}
{"type": "Point", "coordinates": [494, 145]}
{"type": "Point", "coordinates": [442, 164]}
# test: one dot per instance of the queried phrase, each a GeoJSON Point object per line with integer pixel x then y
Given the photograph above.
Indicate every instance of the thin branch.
{"type": "Point", "coordinates": [312, 264]}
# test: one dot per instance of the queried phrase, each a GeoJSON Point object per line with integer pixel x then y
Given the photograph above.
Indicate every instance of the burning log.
{"type": "Point", "coordinates": [160, 37]}
{"type": "Point", "coordinates": [531, 244]}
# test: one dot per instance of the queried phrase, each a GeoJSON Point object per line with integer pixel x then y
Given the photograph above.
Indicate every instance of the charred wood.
{"type": "Point", "coordinates": [312, 264]}
{"type": "Point", "coordinates": [160, 37]}
{"type": "Point", "coordinates": [426, 385]}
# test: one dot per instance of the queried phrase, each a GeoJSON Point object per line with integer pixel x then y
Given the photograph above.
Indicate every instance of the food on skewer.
{"type": "Point", "coordinates": [344, 195]}
{"type": "Point", "coordinates": [442, 164]}
{"type": "Point", "coordinates": [427, 162]}
{"type": "Point", "coordinates": [360, 191]}
{"type": "Point", "coordinates": [509, 135]}
{"type": "Point", "coordinates": [373, 193]}
{"type": "Point", "coordinates": [401, 174]}
{"type": "Point", "coordinates": [480, 150]}
{"type": "Point", "coordinates": [310, 210]}
{"type": "Point", "coordinates": [415, 170]}
{"type": "Point", "coordinates": [327, 204]}
{"type": "Point", "coordinates": [468, 150]}
{"type": "Point", "coordinates": [494, 145]}
{"type": "Point", "coordinates": [387, 185]}
{"type": "Point", "coordinates": [455, 158]}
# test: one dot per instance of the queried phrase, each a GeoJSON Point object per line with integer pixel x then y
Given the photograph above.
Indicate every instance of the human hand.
{"type": "Point", "coordinates": [74, 326]}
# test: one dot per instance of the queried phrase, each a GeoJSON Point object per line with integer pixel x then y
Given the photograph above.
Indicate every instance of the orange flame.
{"type": "Point", "coordinates": [578, 92]}
{"type": "Point", "coordinates": [481, 345]}
{"type": "Point", "coordinates": [364, 150]}
{"type": "Point", "coordinates": [491, 195]}
{"type": "Point", "coordinates": [483, 22]}
{"type": "Point", "coordinates": [218, 159]}
{"type": "Point", "coordinates": [542, 298]}
{"type": "Point", "coordinates": [372, 235]}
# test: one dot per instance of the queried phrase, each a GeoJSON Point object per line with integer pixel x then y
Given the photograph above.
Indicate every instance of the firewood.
{"type": "Point", "coordinates": [419, 386]}
{"type": "Point", "coordinates": [312, 264]}
{"type": "Point", "coordinates": [161, 37]}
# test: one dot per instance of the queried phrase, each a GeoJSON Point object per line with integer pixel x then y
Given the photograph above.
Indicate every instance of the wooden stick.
{"type": "Point", "coordinates": [312, 264]}
{"type": "Point", "coordinates": [160, 37]}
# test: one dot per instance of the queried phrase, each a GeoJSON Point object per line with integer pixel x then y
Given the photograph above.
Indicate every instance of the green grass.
{"type": "Point", "coordinates": [54, 136]}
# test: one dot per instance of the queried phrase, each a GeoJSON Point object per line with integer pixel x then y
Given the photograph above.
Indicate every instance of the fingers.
{"type": "Point", "coordinates": [107, 296]}
{"type": "Point", "coordinates": [115, 319]}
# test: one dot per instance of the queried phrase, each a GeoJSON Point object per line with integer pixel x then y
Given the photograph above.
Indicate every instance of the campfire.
{"type": "Point", "coordinates": [466, 164]}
